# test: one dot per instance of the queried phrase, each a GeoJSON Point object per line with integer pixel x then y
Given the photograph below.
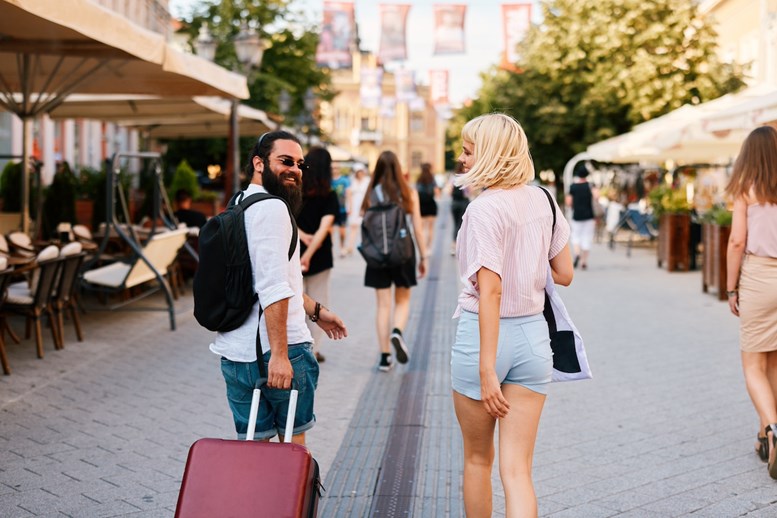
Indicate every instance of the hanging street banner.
{"type": "Point", "coordinates": [438, 87]}
{"type": "Point", "coordinates": [370, 90]}
{"type": "Point", "coordinates": [393, 30]}
{"type": "Point", "coordinates": [337, 35]}
{"type": "Point", "coordinates": [405, 85]}
{"type": "Point", "coordinates": [516, 20]}
{"type": "Point", "coordinates": [449, 28]}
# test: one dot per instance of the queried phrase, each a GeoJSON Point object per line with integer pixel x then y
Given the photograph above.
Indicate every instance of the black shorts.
{"type": "Point", "coordinates": [340, 219]}
{"type": "Point", "coordinates": [401, 276]}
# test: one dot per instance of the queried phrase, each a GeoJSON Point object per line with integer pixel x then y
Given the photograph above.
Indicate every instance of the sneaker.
{"type": "Point", "coordinates": [399, 346]}
{"type": "Point", "coordinates": [385, 363]}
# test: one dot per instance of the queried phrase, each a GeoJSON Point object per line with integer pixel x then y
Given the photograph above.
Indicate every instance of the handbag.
{"type": "Point", "coordinates": [570, 362]}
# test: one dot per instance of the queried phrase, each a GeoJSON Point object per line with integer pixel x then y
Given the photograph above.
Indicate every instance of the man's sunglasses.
{"type": "Point", "coordinates": [288, 162]}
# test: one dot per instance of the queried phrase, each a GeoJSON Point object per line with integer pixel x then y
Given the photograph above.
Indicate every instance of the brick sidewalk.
{"type": "Point", "coordinates": [666, 428]}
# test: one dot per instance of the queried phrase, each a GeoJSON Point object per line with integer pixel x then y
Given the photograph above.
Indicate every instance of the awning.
{"type": "Point", "coordinates": [166, 118]}
{"type": "Point", "coordinates": [683, 135]}
{"type": "Point", "coordinates": [752, 112]}
{"type": "Point", "coordinates": [50, 49]}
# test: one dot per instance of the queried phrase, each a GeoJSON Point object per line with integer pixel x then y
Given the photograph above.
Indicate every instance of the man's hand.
{"type": "Point", "coordinates": [331, 324]}
{"type": "Point", "coordinates": [279, 373]}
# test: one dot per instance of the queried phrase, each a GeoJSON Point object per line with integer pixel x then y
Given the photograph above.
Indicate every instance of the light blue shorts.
{"type": "Point", "coordinates": [523, 355]}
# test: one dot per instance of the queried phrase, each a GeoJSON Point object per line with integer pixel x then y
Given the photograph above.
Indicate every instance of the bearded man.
{"type": "Point", "coordinates": [275, 166]}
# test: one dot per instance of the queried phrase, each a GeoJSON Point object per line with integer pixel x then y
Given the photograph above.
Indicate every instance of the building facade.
{"type": "Point", "coordinates": [411, 129]}
{"type": "Point", "coordinates": [747, 34]}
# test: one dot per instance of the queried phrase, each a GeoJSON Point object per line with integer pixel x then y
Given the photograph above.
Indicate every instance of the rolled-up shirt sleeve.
{"type": "Point", "coordinates": [483, 243]}
{"type": "Point", "coordinates": [269, 247]}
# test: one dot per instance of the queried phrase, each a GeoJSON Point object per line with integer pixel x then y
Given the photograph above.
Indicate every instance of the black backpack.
{"type": "Point", "coordinates": [223, 283]}
{"type": "Point", "coordinates": [386, 240]}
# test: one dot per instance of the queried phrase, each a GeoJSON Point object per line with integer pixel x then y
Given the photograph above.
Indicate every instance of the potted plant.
{"type": "Point", "coordinates": [186, 178]}
{"type": "Point", "coordinates": [670, 205]}
{"type": "Point", "coordinates": [59, 205]}
{"type": "Point", "coordinates": [716, 228]}
{"type": "Point", "coordinates": [88, 191]}
{"type": "Point", "coordinates": [10, 192]}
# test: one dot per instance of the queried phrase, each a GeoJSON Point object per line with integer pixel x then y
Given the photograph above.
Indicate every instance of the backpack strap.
{"type": "Point", "coordinates": [243, 203]}
{"type": "Point", "coordinates": [552, 206]}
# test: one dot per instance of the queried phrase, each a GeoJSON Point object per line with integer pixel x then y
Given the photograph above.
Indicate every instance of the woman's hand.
{"type": "Point", "coordinates": [491, 394]}
{"type": "Point", "coordinates": [305, 237]}
{"type": "Point", "coordinates": [733, 304]}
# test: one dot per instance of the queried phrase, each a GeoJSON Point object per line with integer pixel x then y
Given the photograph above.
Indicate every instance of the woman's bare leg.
{"type": "Point", "coordinates": [477, 431]}
{"type": "Point", "coordinates": [383, 318]}
{"type": "Point", "coordinates": [517, 435]}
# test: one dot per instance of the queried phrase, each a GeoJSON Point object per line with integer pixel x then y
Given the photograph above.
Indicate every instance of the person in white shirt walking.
{"type": "Point", "coordinates": [276, 166]}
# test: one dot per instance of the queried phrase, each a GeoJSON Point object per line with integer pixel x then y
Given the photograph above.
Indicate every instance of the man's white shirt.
{"type": "Point", "coordinates": [275, 277]}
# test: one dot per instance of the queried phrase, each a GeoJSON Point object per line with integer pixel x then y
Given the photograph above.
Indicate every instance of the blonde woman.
{"type": "Point", "coordinates": [501, 361]}
{"type": "Point", "coordinates": [752, 278]}
{"type": "Point", "coordinates": [388, 183]}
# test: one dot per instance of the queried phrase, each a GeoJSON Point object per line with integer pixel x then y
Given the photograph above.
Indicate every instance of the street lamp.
{"type": "Point", "coordinates": [310, 106]}
{"type": "Point", "coordinates": [284, 105]}
{"type": "Point", "coordinates": [249, 50]}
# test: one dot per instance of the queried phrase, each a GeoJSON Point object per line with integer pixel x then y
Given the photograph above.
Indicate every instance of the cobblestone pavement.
{"type": "Point", "coordinates": [102, 428]}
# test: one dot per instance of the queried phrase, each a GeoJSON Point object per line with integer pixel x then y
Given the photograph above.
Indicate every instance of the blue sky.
{"type": "Point", "coordinates": [483, 28]}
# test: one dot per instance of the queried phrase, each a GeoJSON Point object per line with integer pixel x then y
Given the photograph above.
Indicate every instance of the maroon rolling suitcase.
{"type": "Point", "coordinates": [236, 479]}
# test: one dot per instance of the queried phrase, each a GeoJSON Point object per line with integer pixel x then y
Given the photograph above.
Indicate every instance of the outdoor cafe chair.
{"type": "Point", "coordinates": [22, 244]}
{"type": "Point", "coordinates": [33, 300]}
{"type": "Point", "coordinates": [5, 277]}
{"type": "Point", "coordinates": [64, 294]}
{"type": "Point", "coordinates": [159, 252]}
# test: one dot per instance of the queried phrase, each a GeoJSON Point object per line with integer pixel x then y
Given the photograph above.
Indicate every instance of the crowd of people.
{"type": "Point", "coordinates": [508, 242]}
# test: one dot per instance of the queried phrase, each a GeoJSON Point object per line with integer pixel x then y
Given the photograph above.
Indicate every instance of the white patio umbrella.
{"type": "Point", "coordinates": [166, 118]}
{"type": "Point", "coordinates": [753, 111]}
{"type": "Point", "coordinates": [50, 49]}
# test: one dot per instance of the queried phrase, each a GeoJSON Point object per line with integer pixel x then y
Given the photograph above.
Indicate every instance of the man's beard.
{"type": "Point", "coordinates": [275, 185]}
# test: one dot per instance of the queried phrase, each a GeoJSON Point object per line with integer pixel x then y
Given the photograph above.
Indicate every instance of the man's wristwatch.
{"type": "Point", "coordinates": [316, 313]}
{"type": "Point", "coordinates": [731, 293]}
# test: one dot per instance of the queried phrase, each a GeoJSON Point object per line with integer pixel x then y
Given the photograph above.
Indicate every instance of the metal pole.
{"type": "Point", "coordinates": [26, 148]}
{"type": "Point", "coordinates": [235, 147]}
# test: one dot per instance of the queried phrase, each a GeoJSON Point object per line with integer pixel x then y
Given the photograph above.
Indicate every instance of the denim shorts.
{"type": "Point", "coordinates": [274, 403]}
{"type": "Point", "coordinates": [523, 355]}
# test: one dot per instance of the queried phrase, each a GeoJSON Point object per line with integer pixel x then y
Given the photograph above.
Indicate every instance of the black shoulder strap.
{"type": "Point", "coordinates": [552, 206]}
{"type": "Point", "coordinates": [246, 202]}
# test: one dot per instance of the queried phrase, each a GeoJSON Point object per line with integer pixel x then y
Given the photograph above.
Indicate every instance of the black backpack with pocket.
{"type": "Point", "coordinates": [386, 239]}
{"type": "Point", "coordinates": [223, 284]}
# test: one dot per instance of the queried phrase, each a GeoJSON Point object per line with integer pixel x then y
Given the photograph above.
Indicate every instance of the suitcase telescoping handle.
{"type": "Point", "coordinates": [289, 416]}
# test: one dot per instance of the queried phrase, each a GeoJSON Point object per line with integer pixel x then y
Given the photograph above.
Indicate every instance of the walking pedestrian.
{"type": "Point", "coordinates": [459, 202]}
{"type": "Point", "coordinates": [581, 200]}
{"type": "Point", "coordinates": [315, 221]}
{"type": "Point", "coordinates": [341, 184]}
{"type": "Point", "coordinates": [354, 200]}
{"type": "Point", "coordinates": [275, 166]}
{"type": "Point", "coordinates": [501, 361]}
{"type": "Point", "coordinates": [427, 197]}
{"type": "Point", "coordinates": [389, 184]}
{"type": "Point", "coordinates": [752, 278]}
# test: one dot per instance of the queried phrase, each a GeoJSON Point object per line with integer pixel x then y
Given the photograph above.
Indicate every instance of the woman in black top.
{"type": "Point", "coordinates": [315, 220]}
{"type": "Point", "coordinates": [427, 192]}
{"type": "Point", "coordinates": [583, 223]}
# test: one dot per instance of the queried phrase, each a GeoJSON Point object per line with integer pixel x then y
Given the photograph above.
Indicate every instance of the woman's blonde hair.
{"type": "Point", "coordinates": [501, 153]}
{"type": "Point", "coordinates": [755, 169]}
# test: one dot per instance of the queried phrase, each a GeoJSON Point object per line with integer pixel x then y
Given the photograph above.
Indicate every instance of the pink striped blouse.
{"type": "Point", "coordinates": [509, 232]}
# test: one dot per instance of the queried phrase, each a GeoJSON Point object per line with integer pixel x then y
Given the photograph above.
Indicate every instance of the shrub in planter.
{"type": "Point", "coordinates": [11, 188]}
{"type": "Point", "coordinates": [60, 202]}
{"type": "Point", "coordinates": [184, 178]}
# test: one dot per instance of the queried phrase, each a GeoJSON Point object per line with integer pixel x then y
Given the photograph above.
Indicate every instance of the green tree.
{"type": "Point", "coordinates": [594, 68]}
{"type": "Point", "coordinates": [289, 63]}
